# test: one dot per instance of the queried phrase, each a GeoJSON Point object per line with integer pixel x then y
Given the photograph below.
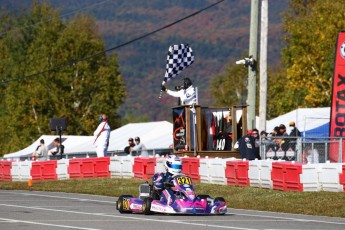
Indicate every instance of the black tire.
{"type": "Point", "coordinates": [219, 199]}
{"type": "Point", "coordinates": [120, 206]}
{"type": "Point", "coordinates": [146, 207]}
{"type": "Point", "coordinates": [155, 195]}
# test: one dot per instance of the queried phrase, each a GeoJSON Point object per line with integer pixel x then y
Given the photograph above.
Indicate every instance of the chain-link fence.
{"type": "Point", "coordinates": [302, 149]}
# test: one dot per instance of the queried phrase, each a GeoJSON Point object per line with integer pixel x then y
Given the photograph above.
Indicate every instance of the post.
{"type": "Point", "coordinates": [252, 71]}
{"type": "Point", "coordinates": [263, 65]}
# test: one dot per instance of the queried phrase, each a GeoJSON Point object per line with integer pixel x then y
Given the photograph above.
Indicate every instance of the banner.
{"type": "Point", "coordinates": [179, 125]}
{"type": "Point", "coordinates": [337, 119]}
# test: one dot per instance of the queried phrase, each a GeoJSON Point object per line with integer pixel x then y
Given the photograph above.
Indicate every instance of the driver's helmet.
{"type": "Point", "coordinates": [187, 83]}
{"type": "Point", "coordinates": [173, 164]}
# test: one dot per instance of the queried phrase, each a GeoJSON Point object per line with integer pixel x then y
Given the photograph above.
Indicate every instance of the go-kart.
{"type": "Point", "coordinates": [178, 197]}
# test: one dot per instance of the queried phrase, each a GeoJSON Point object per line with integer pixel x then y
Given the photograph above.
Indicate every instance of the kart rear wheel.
{"type": "Point", "coordinates": [146, 207]}
{"type": "Point", "coordinates": [120, 204]}
{"type": "Point", "coordinates": [219, 199]}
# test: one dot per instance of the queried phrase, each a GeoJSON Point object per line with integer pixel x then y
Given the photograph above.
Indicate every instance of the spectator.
{"type": "Point", "coordinates": [102, 134]}
{"type": "Point", "coordinates": [140, 148]}
{"type": "Point", "coordinates": [293, 133]}
{"type": "Point", "coordinates": [40, 152]}
{"type": "Point", "coordinates": [185, 92]}
{"type": "Point", "coordinates": [58, 150]}
{"type": "Point", "coordinates": [130, 144]}
{"type": "Point", "coordinates": [246, 146]}
{"type": "Point", "coordinates": [284, 142]}
{"type": "Point", "coordinates": [255, 135]}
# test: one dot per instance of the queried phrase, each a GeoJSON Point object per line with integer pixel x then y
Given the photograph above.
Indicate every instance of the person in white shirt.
{"type": "Point", "coordinates": [41, 151]}
{"type": "Point", "coordinates": [102, 134]}
{"type": "Point", "coordinates": [186, 92]}
{"type": "Point", "coordinates": [140, 148]}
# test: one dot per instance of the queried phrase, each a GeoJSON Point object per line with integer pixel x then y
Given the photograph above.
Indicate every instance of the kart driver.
{"type": "Point", "coordinates": [173, 167]}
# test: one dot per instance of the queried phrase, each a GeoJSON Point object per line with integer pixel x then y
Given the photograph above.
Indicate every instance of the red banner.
{"type": "Point", "coordinates": [337, 121]}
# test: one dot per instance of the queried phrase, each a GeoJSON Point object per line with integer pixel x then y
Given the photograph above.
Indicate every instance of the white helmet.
{"type": "Point", "coordinates": [173, 164]}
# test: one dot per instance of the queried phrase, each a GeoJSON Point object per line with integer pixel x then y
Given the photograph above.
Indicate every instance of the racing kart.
{"type": "Point", "coordinates": [178, 197]}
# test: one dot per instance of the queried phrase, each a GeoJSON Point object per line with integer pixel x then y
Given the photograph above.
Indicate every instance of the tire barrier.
{"type": "Point", "coordinates": [144, 168]}
{"type": "Point", "coordinates": [278, 175]}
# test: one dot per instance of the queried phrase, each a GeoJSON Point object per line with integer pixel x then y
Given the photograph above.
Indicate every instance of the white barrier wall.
{"type": "Point", "coordinates": [217, 171]}
{"type": "Point", "coordinates": [25, 170]}
{"type": "Point", "coordinates": [329, 177]}
{"type": "Point", "coordinates": [310, 178]}
{"type": "Point", "coordinates": [160, 165]}
{"type": "Point", "coordinates": [254, 173]}
{"type": "Point", "coordinates": [204, 171]}
{"type": "Point", "coordinates": [62, 169]}
{"type": "Point", "coordinates": [15, 171]}
{"type": "Point", "coordinates": [121, 167]}
{"type": "Point", "coordinates": [265, 174]}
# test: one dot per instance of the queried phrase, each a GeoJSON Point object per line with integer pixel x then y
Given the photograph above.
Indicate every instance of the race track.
{"type": "Point", "coordinates": [47, 210]}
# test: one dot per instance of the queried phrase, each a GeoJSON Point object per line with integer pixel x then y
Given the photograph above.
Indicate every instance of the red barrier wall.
{"type": "Point", "coordinates": [286, 176]}
{"type": "Point", "coordinates": [44, 170]}
{"type": "Point", "coordinates": [236, 173]}
{"type": "Point", "coordinates": [5, 171]}
{"type": "Point", "coordinates": [144, 168]}
{"type": "Point", "coordinates": [74, 168]}
{"type": "Point", "coordinates": [190, 167]}
{"type": "Point", "coordinates": [102, 167]}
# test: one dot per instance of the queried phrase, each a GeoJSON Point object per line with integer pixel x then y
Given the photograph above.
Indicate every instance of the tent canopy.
{"type": "Point", "coordinates": [310, 121]}
{"type": "Point", "coordinates": [154, 135]}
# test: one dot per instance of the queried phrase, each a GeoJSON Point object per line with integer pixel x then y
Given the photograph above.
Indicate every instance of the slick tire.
{"type": "Point", "coordinates": [120, 204]}
{"type": "Point", "coordinates": [219, 199]}
{"type": "Point", "coordinates": [146, 207]}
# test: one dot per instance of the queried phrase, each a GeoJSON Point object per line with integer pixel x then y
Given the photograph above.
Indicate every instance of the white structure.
{"type": "Point", "coordinates": [154, 135]}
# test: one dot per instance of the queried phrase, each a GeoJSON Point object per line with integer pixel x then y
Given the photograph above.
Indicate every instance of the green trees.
{"type": "Point", "coordinates": [37, 41]}
{"type": "Point", "coordinates": [305, 80]}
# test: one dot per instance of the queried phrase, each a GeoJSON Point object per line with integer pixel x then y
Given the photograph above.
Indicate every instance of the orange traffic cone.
{"type": "Point", "coordinates": [30, 182]}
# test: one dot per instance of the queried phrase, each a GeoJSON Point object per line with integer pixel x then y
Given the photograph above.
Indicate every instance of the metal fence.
{"type": "Point", "coordinates": [302, 149]}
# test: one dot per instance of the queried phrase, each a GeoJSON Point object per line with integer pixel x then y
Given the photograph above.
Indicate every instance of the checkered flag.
{"type": "Point", "coordinates": [179, 57]}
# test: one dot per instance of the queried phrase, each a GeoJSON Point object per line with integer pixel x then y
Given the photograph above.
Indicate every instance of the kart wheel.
{"type": "Point", "coordinates": [147, 206]}
{"type": "Point", "coordinates": [122, 204]}
{"type": "Point", "coordinates": [155, 195]}
{"type": "Point", "coordinates": [219, 199]}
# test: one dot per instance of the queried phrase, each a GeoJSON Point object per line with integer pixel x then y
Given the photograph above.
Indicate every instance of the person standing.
{"type": "Point", "coordinates": [130, 144]}
{"type": "Point", "coordinates": [140, 148]}
{"type": "Point", "coordinates": [186, 92]}
{"type": "Point", "coordinates": [41, 151]}
{"type": "Point", "coordinates": [102, 134]}
{"type": "Point", "coordinates": [58, 150]}
{"type": "Point", "coordinates": [294, 133]}
{"type": "Point", "coordinates": [246, 146]}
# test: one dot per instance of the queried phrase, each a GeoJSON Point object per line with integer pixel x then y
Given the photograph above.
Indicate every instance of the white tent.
{"type": "Point", "coordinates": [68, 141]}
{"type": "Point", "coordinates": [306, 119]}
{"type": "Point", "coordinates": [154, 135]}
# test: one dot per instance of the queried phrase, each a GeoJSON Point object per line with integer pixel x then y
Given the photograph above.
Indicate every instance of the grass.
{"type": "Point", "coordinates": [312, 203]}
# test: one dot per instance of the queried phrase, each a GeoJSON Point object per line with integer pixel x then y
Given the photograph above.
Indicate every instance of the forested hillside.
{"type": "Point", "coordinates": [217, 35]}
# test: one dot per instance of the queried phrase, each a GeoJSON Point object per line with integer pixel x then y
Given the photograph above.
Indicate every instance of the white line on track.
{"type": "Point", "coordinates": [44, 224]}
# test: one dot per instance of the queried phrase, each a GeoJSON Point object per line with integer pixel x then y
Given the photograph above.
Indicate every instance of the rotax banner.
{"type": "Point", "coordinates": [337, 122]}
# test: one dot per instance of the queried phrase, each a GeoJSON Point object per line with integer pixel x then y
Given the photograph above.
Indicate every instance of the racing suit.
{"type": "Point", "coordinates": [166, 194]}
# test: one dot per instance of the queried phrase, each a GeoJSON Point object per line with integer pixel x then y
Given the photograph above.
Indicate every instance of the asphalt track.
{"type": "Point", "coordinates": [31, 210]}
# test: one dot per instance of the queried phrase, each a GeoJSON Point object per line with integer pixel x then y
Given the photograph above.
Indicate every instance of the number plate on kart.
{"type": "Point", "coordinates": [125, 204]}
{"type": "Point", "coordinates": [184, 180]}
